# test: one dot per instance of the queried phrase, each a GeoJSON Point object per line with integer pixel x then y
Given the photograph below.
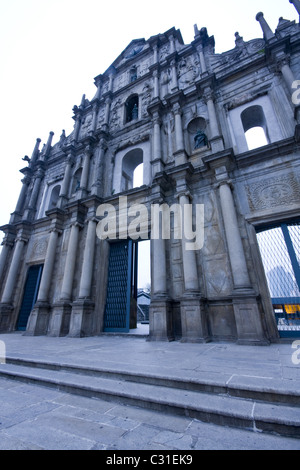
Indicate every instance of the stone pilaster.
{"type": "Point", "coordinates": [64, 191]}
{"type": "Point", "coordinates": [180, 153]}
{"type": "Point", "coordinates": [193, 317]}
{"type": "Point", "coordinates": [247, 314]}
{"type": "Point", "coordinates": [160, 313]}
{"type": "Point", "coordinates": [6, 306]}
{"type": "Point", "coordinates": [7, 245]}
{"type": "Point", "coordinates": [67, 283]}
{"type": "Point", "coordinates": [216, 140]}
{"type": "Point", "coordinates": [38, 321]}
{"type": "Point", "coordinates": [13, 269]}
{"type": "Point", "coordinates": [97, 185]}
{"type": "Point", "coordinates": [29, 212]}
{"type": "Point", "coordinates": [84, 181]}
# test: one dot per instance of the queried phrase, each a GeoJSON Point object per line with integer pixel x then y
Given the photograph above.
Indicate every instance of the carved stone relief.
{"type": "Point", "coordinates": [115, 118]}
{"type": "Point", "coordinates": [273, 192]}
{"type": "Point", "coordinates": [39, 248]}
{"type": "Point", "coordinates": [188, 71]}
{"type": "Point", "coordinates": [146, 99]}
{"type": "Point", "coordinates": [164, 51]}
{"type": "Point", "coordinates": [86, 125]}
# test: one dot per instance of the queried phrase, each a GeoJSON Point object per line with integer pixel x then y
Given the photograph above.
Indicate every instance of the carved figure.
{"type": "Point", "coordinates": [200, 139]}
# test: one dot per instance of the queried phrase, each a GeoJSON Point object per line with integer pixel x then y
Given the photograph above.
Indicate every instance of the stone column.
{"type": "Point", "coordinates": [268, 33]}
{"type": "Point", "coordinates": [160, 315]}
{"type": "Point", "coordinates": [97, 185]}
{"type": "Point", "coordinates": [202, 59]}
{"type": "Point", "coordinates": [287, 74]}
{"type": "Point", "coordinates": [247, 314]}
{"type": "Point", "coordinates": [82, 309]}
{"type": "Point", "coordinates": [157, 163]}
{"type": "Point", "coordinates": [193, 320]}
{"type": "Point", "coordinates": [86, 169]}
{"type": "Point", "coordinates": [159, 281]}
{"type": "Point", "coordinates": [13, 272]}
{"type": "Point", "coordinates": [215, 138]}
{"type": "Point", "coordinates": [62, 309]}
{"type": "Point", "coordinates": [6, 248]}
{"type": "Point", "coordinates": [155, 84]}
{"type": "Point", "coordinates": [23, 194]}
{"type": "Point", "coordinates": [88, 260]}
{"type": "Point", "coordinates": [180, 155]}
{"type": "Point", "coordinates": [64, 190]}
{"type": "Point", "coordinates": [77, 126]}
{"type": "Point", "coordinates": [191, 282]}
{"type": "Point", "coordinates": [67, 283]}
{"type": "Point", "coordinates": [39, 318]}
{"type": "Point", "coordinates": [107, 110]}
{"type": "Point", "coordinates": [48, 267]}
{"type": "Point", "coordinates": [235, 247]}
{"type": "Point", "coordinates": [94, 119]}
{"type": "Point", "coordinates": [34, 195]}
{"type": "Point", "coordinates": [6, 306]}
{"type": "Point", "coordinates": [174, 83]}
{"type": "Point", "coordinates": [213, 122]}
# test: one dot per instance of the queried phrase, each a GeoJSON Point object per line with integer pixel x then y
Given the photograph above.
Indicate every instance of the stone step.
{"type": "Point", "coordinates": [256, 388]}
{"type": "Point", "coordinates": [214, 408]}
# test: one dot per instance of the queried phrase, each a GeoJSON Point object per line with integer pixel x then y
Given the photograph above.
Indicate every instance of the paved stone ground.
{"type": "Point", "coordinates": [36, 417]}
{"type": "Point", "coordinates": [39, 418]}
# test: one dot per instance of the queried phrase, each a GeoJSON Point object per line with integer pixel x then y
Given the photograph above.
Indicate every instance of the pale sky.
{"type": "Point", "coordinates": [51, 50]}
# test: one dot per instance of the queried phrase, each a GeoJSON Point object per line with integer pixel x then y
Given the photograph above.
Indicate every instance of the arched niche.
{"type": "Point", "coordinates": [197, 134]}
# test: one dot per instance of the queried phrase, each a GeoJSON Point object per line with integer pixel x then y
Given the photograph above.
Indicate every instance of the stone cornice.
{"type": "Point", "coordinates": [268, 152]}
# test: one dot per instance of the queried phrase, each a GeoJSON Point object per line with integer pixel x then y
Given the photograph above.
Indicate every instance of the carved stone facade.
{"type": "Point", "coordinates": [183, 111]}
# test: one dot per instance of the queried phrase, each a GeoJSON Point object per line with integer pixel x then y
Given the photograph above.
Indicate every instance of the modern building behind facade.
{"type": "Point", "coordinates": [184, 112]}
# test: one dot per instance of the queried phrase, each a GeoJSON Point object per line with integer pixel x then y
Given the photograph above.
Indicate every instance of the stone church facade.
{"type": "Point", "coordinates": [183, 111]}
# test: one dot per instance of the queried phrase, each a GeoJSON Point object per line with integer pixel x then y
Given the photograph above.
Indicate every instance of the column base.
{"type": "Point", "coordinates": [193, 320]}
{"type": "Point", "coordinates": [248, 319]}
{"type": "Point", "coordinates": [60, 319]}
{"type": "Point", "coordinates": [38, 320]}
{"type": "Point", "coordinates": [180, 157]}
{"type": "Point", "coordinates": [81, 324]}
{"type": "Point", "coordinates": [217, 144]}
{"type": "Point", "coordinates": [6, 311]}
{"type": "Point", "coordinates": [160, 319]}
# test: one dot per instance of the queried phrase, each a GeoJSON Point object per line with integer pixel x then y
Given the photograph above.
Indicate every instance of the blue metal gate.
{"type": "Point", "coordinates": [280, 252]}
{"type": "Point", "coordinates": [117, 309]}
{"type": "Point", "coordinates": [30, 295]}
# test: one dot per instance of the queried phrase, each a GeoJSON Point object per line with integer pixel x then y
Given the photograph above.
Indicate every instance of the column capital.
{"type": "Point", "coordinates": [208, 94]}
{"type": "Point", "coordinates": [55, 230]}
{"type": "Point", "coordinates": [77, 224]}
{"type": "Point", "coordinates": [26, 180]}
{"type": "Point", "coordinates": [88, 150]}
{"type": "Point", "coordinates": [176, 108]}
{"type": "Point", "coordinates": [186, 193]}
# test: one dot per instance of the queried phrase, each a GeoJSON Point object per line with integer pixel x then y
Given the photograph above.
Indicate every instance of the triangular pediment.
{"type": "Point", "coordinates": [133, 49]}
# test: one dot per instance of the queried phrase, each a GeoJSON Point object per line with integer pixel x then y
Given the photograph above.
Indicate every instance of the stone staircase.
{"type": "Point", "coordinates": [256, 404]}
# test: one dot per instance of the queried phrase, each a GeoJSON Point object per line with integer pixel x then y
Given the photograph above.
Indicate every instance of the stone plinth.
{"type": "Point", "coordinates": [81, 323]}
